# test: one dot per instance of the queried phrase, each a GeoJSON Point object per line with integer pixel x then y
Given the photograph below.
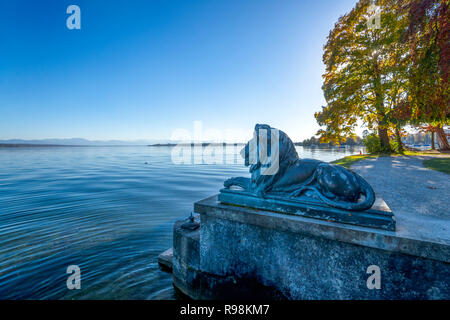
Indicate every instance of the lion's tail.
{"type": "Point", "coordinates": [367, 203]}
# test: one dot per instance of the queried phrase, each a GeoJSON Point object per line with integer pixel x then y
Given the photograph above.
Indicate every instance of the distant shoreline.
{"type": "Point", "coordinates": [204, 144]}
{"type": "Point", "coordinates": [33, 145]}
{"type": "Point", "coordinates": [36, 145]}
{"type": "Point", "coordinates": [30, 145]}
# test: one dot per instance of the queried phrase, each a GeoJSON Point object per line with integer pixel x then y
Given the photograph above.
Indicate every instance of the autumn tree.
{"type": "Point", "coordinates": [428, 37]}
{"type": "Point", "coordinates": [364, 78]}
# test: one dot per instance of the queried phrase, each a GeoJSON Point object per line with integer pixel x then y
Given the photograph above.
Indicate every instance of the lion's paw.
{"type": "Point", "coordinates": [228, 183]}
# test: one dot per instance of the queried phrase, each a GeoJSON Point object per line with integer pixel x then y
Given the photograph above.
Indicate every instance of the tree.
{"type": "Point", "coordinates": [428, 37]}
{"type": "Point", "coordinates": [364, 78]}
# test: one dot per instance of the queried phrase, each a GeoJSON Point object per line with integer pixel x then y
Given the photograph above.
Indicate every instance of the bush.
{"type": "Point", "coordinates": [372, 143]}
{"type": "Point", "coordinates": [395, 146]}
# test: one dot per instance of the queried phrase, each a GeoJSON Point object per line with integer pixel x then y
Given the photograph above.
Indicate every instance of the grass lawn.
{"type": "Point", "coordinates": [442, 165]}
{"type": "Point", "coordinates": [349, 160]}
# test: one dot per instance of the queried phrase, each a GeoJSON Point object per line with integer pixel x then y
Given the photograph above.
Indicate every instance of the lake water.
{"type": "Point", "coordinates": [109, 210]}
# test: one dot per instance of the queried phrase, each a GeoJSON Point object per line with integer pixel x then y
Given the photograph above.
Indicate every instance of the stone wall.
{"type": "Point", "coordinates": [246, 253]}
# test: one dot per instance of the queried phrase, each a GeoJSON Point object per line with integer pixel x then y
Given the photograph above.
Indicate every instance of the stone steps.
{"type": "Point", "coordinates": [165, 259]}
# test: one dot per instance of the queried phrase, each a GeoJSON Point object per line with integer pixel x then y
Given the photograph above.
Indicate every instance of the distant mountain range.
{"type": "Point", "coordinates": [85, 142]}
{"type": "Point", "coordinates": [80, 142]}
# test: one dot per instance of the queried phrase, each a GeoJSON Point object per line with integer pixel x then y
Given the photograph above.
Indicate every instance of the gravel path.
{"type": "Point", "coordinates": [416, 195]}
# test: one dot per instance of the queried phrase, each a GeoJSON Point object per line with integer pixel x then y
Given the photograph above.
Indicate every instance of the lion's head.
{"type": "Point", "coordinates": [268, 154]}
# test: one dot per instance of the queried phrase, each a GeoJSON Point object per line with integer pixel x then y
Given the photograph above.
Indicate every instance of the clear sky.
{"type": "Point", "coordinates": [141, 69]}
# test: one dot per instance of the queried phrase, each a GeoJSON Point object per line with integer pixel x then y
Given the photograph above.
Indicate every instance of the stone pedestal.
{"type": "Point", "coordinates": [246, 253]}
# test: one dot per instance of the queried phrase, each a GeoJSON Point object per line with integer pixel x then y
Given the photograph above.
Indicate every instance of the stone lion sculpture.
{"type": "Point", "coordinates": [290, 176]}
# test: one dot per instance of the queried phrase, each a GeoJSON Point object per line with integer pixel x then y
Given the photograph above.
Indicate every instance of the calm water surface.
{"type": "Point", "coordinates": [109, 210]}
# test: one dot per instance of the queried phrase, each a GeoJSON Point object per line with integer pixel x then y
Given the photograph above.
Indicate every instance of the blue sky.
{"type": "Point", "coordinates": [141, 69]}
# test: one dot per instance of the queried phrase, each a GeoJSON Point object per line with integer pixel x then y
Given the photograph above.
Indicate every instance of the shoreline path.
{"type": "Point", "coordinates": [418, 197]}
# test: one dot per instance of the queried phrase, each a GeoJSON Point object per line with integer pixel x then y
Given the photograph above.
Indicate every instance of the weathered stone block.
{"type": "Point", "coordinates": [242, 252]}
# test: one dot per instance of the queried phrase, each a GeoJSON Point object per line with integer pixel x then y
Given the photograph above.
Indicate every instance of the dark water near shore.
{"type": "Point", "coordinates": [109, 210]}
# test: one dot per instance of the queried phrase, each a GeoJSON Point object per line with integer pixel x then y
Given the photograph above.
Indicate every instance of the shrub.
{"type": "Point", "coordinates": [372, 143]}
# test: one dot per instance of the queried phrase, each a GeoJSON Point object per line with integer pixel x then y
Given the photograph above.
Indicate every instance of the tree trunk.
{"type": "Point", "coordinates": [432, 141]}
{"type": "Point", "coordinates": [379, 107]}
{"type": "Point", "coordinates": [384, 138]}
{"type": "Point", "coordinates": [399, 139]}
{"type": "Point", "coordinates": [442, 139]}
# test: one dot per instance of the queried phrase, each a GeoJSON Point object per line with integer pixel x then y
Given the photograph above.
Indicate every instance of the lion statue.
{"type": "Point", "coordinates": [290, 176]}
